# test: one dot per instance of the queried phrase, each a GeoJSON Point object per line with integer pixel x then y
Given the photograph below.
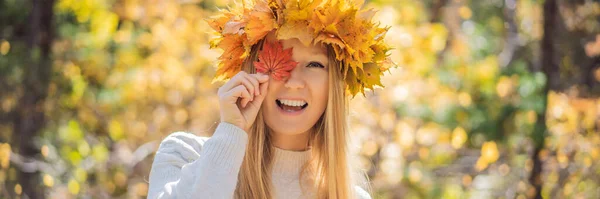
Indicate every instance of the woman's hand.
{"type": "Point", "coordinates": [241, 97]}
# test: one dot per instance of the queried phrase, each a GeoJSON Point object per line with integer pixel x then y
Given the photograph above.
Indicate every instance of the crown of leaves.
{"type": "Point", "coordinates": [357, 42]}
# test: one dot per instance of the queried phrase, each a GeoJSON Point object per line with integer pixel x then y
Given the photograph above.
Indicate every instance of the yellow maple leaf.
{"type": "Point", "coordinates": [299, 10]}
{"type": "Point", "coordinates": [352, 83]}
{"type": "Point", "coordinates": [372, 75]}
{"type": "Point", "coordinates": [339, 52]}
{"type": "Point", "coordinates": [327, 22]}
{"type": "Point", "coordinates": [329, 38]}
{"type": "Point", "coordinates": [297, 30]}
{"type": "Point", "coordinates": [380, 50]}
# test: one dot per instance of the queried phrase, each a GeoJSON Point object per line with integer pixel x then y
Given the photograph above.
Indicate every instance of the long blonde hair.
{"type": "Point", "coordinates": [328, 170]}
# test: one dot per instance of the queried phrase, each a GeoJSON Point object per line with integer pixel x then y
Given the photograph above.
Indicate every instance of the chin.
{"type": "Point", "coordinates": [287, 128]}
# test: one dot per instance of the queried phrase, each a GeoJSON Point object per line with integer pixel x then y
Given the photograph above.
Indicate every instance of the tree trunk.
{"type": "Point", "coordinates": [29, 116]}
{"type": "Point", "coordinates": [437, 10]}
{"type": "Point", "coordinates": [550, 68]}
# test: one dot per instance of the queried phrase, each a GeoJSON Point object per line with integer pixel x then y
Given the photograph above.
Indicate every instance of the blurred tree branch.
{"type": "Point", "coordinates": [437, 10]}
{"type": "Point", "coordinates": [512, 34]}
{"type": "Point", "coordinates": [30, 165]}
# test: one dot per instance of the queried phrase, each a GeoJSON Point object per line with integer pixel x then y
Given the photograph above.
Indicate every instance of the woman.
{"type": "Point", "coordinates": [283, 130]}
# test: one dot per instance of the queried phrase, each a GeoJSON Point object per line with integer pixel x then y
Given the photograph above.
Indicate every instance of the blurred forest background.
{"type": "Point", "coordinates": [491, 99]}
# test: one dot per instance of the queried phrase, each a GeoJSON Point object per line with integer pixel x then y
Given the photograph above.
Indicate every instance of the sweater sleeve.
{"type": "Point", "coordinates": [361, 193]}
{"type": "Point", "coordinates": [188, 166]}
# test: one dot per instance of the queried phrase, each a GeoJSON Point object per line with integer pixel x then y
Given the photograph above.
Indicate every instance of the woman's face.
{"type": "Point", "coordinates": [294, 105]}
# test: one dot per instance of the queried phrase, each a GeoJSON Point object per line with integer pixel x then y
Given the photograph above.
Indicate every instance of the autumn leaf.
{"type": "Point", "coordinates": [300, 10]}
{"type": "Point", "coordinates": [260, 22]}
{"type": "Point", "coordinates": [234, 27]}
{"type": "Point", "coordinates": [342, 25]}
{"type": "Point", "coordinates": [218, 22]}
{"type": "Point", "coordinates": [328, 38]}
{"type": "Point", "coordinates": [275, 61]}
{"type": "Point", "coordinates": [372, 75]}
{"type": "Point", "coordinates": [230, 62]}
{"type": "Point", "coordinates": [299, 30]}
{"type": "Point", "coordinates": [353, 85]}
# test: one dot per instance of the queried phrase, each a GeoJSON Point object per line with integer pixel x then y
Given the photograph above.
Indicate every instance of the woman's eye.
{"type": "Point", "coordinates": [316, 64]}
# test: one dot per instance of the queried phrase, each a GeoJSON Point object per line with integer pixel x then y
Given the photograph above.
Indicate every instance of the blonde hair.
{"type": "Point", "coordinates": [328, 171]}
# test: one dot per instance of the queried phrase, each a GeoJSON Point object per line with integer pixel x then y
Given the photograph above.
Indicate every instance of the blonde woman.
{"type": "Point", "coordinates": [290, 67]}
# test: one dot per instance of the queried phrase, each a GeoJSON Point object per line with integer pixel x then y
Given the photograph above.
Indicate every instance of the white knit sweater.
{"type": "Point", "coordinates": [189, 166]}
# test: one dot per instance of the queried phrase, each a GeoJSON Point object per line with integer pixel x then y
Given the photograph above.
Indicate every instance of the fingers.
{"type": "Point", "coordinates": [251, 81]}
{"type": "Point", "coordinates": [239, 91]}
{"type": "Point", "coordinates": [263, 90]}
{"type": "Point", "coordinates": [262, 78]}
{"type": "Point", "coordinates": [256, 80]}
{"type": "Point", "coordinates": [233, 82]}
{"type": "Point", "coordinates": [240, 98]}
{"type": "Point", "coordinates": [258, 100]}
{"type": "Point", "coordinates": [260, 83]}
{"type": "Point", "coordinates": [249, 86]}
{"type": "Point", "coordinates": [254, 85]}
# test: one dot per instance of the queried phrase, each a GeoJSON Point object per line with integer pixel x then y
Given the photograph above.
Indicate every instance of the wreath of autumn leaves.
{"type": "Point", "coordinates": [357, 42]}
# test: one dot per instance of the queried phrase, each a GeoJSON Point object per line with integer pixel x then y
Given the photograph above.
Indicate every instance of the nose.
{"type": "Point", "coordinates": [295, 80]}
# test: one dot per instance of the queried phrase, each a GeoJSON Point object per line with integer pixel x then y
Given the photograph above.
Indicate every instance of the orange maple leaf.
{"type": "Point", "coordinates": [261, 21]}
{"type": "Point", "coordinates": [275, 61]}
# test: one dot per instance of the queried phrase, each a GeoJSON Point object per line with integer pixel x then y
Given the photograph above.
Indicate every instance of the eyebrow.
{"type": "Point", "coordinates": [320, 57]}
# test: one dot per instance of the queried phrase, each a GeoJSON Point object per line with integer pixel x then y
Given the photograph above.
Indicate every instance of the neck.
{"type": "Point", "coordinates": [296, 142]}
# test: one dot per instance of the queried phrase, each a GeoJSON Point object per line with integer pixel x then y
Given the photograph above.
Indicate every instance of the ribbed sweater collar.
{"type": "Point", "coordinates": [289, 163]}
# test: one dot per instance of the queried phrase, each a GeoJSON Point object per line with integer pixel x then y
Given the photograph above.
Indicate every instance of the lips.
{"type": "Point", "coordinates": [291, 106]}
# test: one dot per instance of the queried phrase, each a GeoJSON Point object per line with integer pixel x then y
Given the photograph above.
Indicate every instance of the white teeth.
{"type": "Point", "coordinates": [293, 102]}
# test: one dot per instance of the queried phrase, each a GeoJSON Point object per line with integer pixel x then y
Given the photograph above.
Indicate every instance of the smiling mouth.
{"type": "Point", "coordinates": [291, 105]}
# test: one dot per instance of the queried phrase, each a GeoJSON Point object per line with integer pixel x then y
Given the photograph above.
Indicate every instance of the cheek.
{"type": "Point", "coordinates": [320, 91]}
{"type": "Point", "coordinates": [274, 86]}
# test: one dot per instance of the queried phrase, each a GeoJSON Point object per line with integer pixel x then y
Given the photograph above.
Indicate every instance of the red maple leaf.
{"type": "Point", "coordinates": [275, 61]}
